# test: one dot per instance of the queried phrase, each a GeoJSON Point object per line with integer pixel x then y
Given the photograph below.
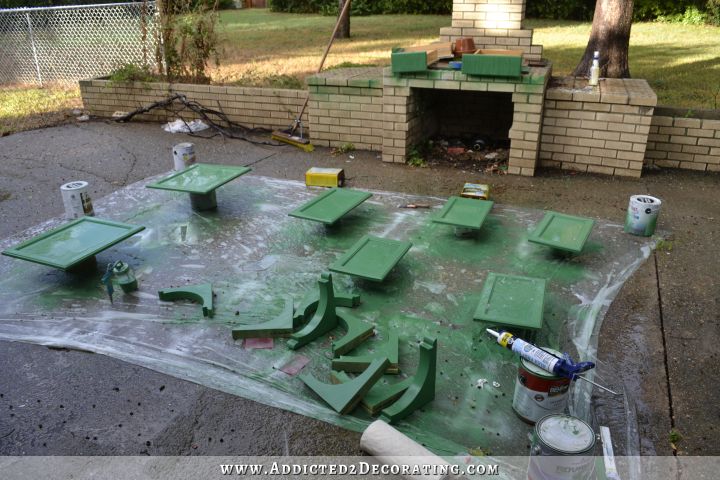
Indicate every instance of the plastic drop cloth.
{"type": "Point", "coordinates": [254, 254]}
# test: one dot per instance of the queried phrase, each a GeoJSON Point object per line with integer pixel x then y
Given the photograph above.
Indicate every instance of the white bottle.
{"type": "Point", "coordinates": [595, 70]}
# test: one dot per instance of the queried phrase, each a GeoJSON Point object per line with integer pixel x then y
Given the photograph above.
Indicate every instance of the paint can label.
{"type": "Point", "coordinates": [642, 215]}
{"type": "Point", "coordinates": [76, 200]}
{"type": "Point", "coordinates": [562, 449]}
{"type": "Point", "coordinates": [537, 396]}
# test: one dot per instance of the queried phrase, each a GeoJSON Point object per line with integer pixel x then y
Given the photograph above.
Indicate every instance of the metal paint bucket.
{"type": "Point", "coordinates": [642, 215]}
{"type": "Point", "coordinates": [539, 393]}
{"type": "Point", "coordinates": [562, 449]}
{"type": "Point", "coordinates": [183, 155]}
{"type": "Point", "coordinates": [76, 200]}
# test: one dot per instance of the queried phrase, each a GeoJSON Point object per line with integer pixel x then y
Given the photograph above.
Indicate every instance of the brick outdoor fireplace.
{"type": "Point", "coordinates": [408, 118]}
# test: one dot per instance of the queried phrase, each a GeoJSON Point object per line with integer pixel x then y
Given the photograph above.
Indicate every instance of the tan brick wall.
{"type": "Point", "coordinates": [677, 141]}
{"type": "Point", "coordinates": [253, 107]}
{"type": "Point", "coordinates": [492, 24]}
{"type": "Point", "coordinates": [599, 130]}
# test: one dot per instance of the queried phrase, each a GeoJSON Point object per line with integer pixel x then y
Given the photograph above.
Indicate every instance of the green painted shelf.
{"type": "Point", "coordinates": [371, 258]}
{"type": "Point", "coordinates": [564, 232]}
{"type": "Point", "coordinates": [200, 179]}
{"type": "Point", "coordinates": [464, 212]}
{"type": "Point", "coordinates": [330, 206]}
{"type": "Point", "coordinates": [512, 300]}
{"type": "Point", "coordinates": [71, 244]}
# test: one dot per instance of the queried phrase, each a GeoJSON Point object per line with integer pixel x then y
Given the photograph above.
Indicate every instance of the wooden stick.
{"type": "Point", "coordinates": [322, 62]}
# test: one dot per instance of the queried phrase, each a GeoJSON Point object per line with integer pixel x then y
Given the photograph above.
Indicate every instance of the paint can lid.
{"type": "Point", "coordinates": [76, 185]}
{"type": "Point", "coordinates": [537, 371]}
{"type": "Point", "coordinates": [565, 434]}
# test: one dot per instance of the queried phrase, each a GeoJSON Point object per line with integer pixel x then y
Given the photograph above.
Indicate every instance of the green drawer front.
{"type": "Point", "coordinates": [404, 62]}
{"type": "Point", "coordinates": [492, 65]}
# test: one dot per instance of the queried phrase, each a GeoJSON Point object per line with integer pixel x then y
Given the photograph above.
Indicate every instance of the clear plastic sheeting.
{"type": "Point", "coordinates": [254, 254]}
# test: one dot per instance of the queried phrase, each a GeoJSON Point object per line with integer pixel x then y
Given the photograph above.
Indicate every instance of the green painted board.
{"type": "Point", "coordinates": [330, 206]}
{"type": "Point", "coordinates": [512, 300]}
{"type": "Point", "coordinates": [464, 212]}
{"type": "Point", "coordinates": [371, 258]}
{"type": "Point", "coordinates": [492, 65]}
{"type": "Point", "coordinates": [201, 178]}
{"type": "Point", "coordinates": [72, 243]}
{"type": "Point", "coordinates": [564, 232]}
{"type": "Point", "coordinates": [407, 62]}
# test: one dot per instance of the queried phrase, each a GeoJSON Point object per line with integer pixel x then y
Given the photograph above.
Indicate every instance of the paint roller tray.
{"type": "Point", "coordinates": [512, 300]}
{"type": "Point", "coordinates": [72, 243]}
{"type": "Point", "coordinates": [200, 179]}
{"type": "Point", "coordinates": [371, 258]}
{"type": "Point", "coordinates": [330, 206]}
{"type": "Point", "coordinates": [564, 232]}
{"type": "Point", "coordinates": [464, 212]}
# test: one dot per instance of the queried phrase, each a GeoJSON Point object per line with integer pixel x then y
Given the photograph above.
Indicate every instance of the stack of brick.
{"type": "Point", "coordinates": [677, 141]}
{"type": "Point", "coordinates": [597, 129]}
{"type": "Point", "coordinates": [253, 107]}
{"type": "Point", "coordinates": [492, 24]}
{"type": "Point", "coordinates": [346, 106]}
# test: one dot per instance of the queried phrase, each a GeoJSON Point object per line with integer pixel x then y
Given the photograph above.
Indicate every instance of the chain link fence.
{"type": "Point", "coordinates": [65, 44]}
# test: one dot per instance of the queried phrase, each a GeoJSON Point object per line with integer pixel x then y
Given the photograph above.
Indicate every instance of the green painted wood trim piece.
{"type": "Point", "coordinates": [330, 206]}
{"type": "Point", "coordinates": [371, 258]}
{"type": "Point", "coordinates": [356, 364]}
{"type": "Point", "coordinates": [324, 318]}
{"type": "Point", "coordinates": [201, 178]}
{"type": "Point", "coordinates": [422, 389]}
{"type": "Point", "coordinates": [73, 243]}
{"type": "Point", "coordinates": [309, 303]}
{"type": "Point", "coordinates": [564, 232]}
{"type": "Point", "coordinates": [280, 326]}
{"type": "Point", "coordinates": [492, 65]}
{"type": "Point", "coordinates": [343, 398]}
{"type": "Point", "coordinates": [357, 332]}
{"type": "Point", "coordinates": [380, 395]}
{"type": "Point", "coordinates": [201, 294]}
{"type": "Point", "coordinates": [464, 212]}
{"type": "Point", "coordinates": [512, 300]}
{"type": "Point", "coordinates": [405, 62]}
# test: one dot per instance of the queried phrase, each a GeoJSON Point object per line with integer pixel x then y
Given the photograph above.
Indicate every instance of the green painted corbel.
{"type": "Point", "coordinates": [357, 332]}
{"type": "Point", "coordinates": [344, 397]}
{"type": "Point", "coordinates": [201, 294]}
{"type": "Point", "coordinates": [324, 318]}
{"type": "Point", "coordinates": [355, 364]}
{"type": "Point", "coordinates": [280, 326]}
{"type": "Point", "coordinates": [380, 395]}
{"type": "Point", "coordinates": [308, 305]}
{"type": "Point", "coordinates": [422, 389]}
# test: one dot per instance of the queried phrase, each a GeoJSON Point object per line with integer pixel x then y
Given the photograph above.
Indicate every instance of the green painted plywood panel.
{"type": "Point", "coordinates": [464, 212]}
{"type": "Point", "coordinates": [331, 206]}
{"type": "Point", "coordinates": [201, 178]}
{"type": "Point", "coordinates": [512, 300]}
{"type": "Point", "coordinates": [564, 232]}
{"type": "Point", "coordinates": [70, 244]}
{"type": "Point", "coordinates": [492, 65]}
{"type": "Point", "coordinates": [406, 62]}
{"type": "Point", "coordinates": [371, 258]}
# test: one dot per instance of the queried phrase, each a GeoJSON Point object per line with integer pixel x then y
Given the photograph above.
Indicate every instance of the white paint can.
{"type": "Point", "coordinates": [562, 449]}
{"type": "Point", "coordinates": [183, 155]}
{"type": "Point", "coordinates": [539, 393]}
{"type": "Point", "coordinates": [642, 215]}
{"type": "Point", "coordinates": [76, 199]}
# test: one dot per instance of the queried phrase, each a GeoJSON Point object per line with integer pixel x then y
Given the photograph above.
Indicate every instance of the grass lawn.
{"type": "Point", "coordinates": [26, 108]}
{"type": "Point", "coordinates": [681, 62]}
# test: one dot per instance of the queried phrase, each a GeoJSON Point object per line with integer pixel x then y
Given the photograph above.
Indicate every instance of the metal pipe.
{"type": "Point", "coordinates": [68, 7]}
{"type": "Point", "coordinates": [34, 50]}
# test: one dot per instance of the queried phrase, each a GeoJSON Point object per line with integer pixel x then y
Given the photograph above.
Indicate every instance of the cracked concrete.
{"type": "Point", "coordinates": [660, 334]}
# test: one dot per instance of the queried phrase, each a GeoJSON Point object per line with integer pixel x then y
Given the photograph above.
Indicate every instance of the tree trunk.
{"type": "Point", "coordinates": [344, 30]}
{"type": "Point", "coordinates": [610, 36]}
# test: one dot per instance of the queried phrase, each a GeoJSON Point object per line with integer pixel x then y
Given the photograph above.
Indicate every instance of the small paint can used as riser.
{"type": "Point", "coordinates": [183, 155]}
{"type": "Point", "coordinates": [539, 393]}
{"type": "Point", "coordinates": [642, 215]}
{"type": "Point", "coordinates": [76, 200]}
{"type": "Point", "coordinates": [562, 449]}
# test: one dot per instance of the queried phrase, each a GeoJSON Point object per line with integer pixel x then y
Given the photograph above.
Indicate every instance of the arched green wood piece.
{"type": "Point", "coordinates": [324, 318]}
{"type": "Point", "coordinates": [280, 326]}
{"type": "Point", "coordinates": [422, 389]}
{"type": "Point", "coordinates": [359, 363]}
{"type": "Point", "coordinates": [380, 395]}
{"type": "Point", "coordinates": [344, 397]}
{"type": "Point", "coordinates": [308, 305]}
{"type": "Point", "coordinates": [357, 332]}
{"type": "Point", "coordinates": [199, 293]}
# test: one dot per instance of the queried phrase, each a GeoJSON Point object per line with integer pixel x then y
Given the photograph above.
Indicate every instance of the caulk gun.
{"type": "Point", "coordinates": [560, 366]}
